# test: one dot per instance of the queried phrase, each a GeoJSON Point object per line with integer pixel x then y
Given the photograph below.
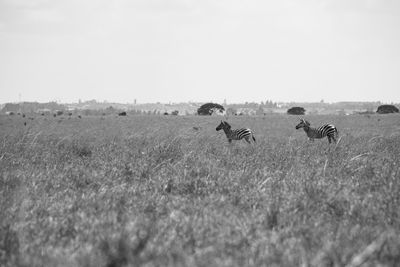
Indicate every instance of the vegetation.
{"type": "Point", "coordinates": [170, 191]}
{"type": "Point", "coordinates": [385, 109]}
{"type": "Point", "coordinates": [29, 107]}
{"type": "Point", "coordinates": [209, 109]}
{"type": "Point", "coordinates": [296, 111]}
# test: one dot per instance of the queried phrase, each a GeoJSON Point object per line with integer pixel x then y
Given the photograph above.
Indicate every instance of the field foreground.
{"type": "Point", "coordinates": [171, 191]}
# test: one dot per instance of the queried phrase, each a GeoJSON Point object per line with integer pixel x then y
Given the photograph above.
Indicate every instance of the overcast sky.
{"type": "Point", "coordinates": [199, 50]}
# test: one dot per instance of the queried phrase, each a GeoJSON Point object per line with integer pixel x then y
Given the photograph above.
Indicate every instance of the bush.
{"type": "Point", "coordinates": [296, 111]}
{"type": "Point", "coordinates": [209, 109]}
{"type": "Point", "coordinates": [385, 109]}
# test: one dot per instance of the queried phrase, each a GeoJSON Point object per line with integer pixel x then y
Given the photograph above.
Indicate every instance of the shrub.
{"type": "Point", "coordinates": [385, 109]}
{"type": "Point", "coordinates": [296, 111]}
{"type": "Point", "coordinates": [209, 109]}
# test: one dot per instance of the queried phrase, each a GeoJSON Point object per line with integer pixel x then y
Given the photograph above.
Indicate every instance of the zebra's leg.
{"type": "Point", "coordinates": [254, 139]}
{"type": "Point", "coordinates": [247, 139]}
{"type": "Point", "coordinates": [329, 139]}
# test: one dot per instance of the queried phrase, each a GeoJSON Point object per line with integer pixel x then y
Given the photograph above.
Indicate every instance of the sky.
{"type": "Point", "coordinates": [199, 50]}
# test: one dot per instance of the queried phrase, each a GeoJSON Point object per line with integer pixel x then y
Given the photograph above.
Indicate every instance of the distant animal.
{"type": "Point", "coordinates": [237, 134]}
{"type": "Point", "coordinates": [328, 130]}
{"type": "Point", "coordinates": [123, 113]}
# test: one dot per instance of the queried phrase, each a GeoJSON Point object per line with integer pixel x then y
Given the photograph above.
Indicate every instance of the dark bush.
{"type": "Point", "coordinates": [385, 109]}
{"type": "Point", "coordinates": [209, 109]}
{"type": "Point", "coordinates": [296, 111]}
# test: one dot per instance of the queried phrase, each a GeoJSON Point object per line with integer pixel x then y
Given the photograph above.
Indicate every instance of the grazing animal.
{"type": "Point", "coordinates": [237, 134]}
{"type": "Point", "coordinates": [328, 130]}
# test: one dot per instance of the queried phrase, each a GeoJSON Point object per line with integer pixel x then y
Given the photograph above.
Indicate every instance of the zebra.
{"type": "Point", "coordinates": [328, 130]}
{"type": "Point", "coordinates": [237, 134]}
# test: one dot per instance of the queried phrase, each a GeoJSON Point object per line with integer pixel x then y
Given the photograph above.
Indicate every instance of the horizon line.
{"type": "Point", "coordinates": [187, 102]}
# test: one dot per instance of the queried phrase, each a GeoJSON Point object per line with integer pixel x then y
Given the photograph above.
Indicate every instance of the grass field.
{"type": "Point", "coordinates": [171, 191]}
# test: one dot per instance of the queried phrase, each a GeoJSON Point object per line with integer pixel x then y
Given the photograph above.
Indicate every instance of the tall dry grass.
{"type": "Point", "coordinates": [171, 191]}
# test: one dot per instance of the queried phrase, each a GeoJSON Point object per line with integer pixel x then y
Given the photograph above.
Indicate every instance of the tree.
{"type": "Point", "coordinates": [384, 109]}
{"type": "Point", "coordinates": [296, 111]}
{"type": "Point", "coordinates": [209, 109]}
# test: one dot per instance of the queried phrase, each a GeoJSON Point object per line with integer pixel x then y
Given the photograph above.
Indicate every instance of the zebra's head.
{"type": "Point", "coordinates": [223, 125]}
{"type": "Point", "coordinates": [303, 124]}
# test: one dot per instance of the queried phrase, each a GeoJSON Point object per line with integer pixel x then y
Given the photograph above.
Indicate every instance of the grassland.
{"type": "Point", "coordinates": [171, 191]}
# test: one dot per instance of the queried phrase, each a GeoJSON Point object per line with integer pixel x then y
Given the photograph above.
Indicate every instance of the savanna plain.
{"type": "Point", "coordinates": [171, 191]}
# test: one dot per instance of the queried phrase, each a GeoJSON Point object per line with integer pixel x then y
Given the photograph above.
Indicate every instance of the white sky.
{"type": "Point", "coordinates": [199, 50]}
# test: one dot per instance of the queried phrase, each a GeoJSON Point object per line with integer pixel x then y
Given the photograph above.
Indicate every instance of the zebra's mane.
{"type": "Point", "coordinates": [305, 122]}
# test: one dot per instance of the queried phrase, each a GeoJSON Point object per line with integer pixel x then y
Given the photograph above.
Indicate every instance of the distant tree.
{"type": "Point", "coordinates": [209, 109]}
{"type": "Point", "coordinates": [123, 113]}
{"type": "Point", "coordinates": [384, 109]}
{"type": "Point", "coordinates": [296, 111]}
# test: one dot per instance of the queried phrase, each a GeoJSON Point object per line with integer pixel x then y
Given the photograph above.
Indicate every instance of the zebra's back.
{"type": "Point", "coordinates": [322, 131]}
{"type": "Point", "coordinates": [240, 133]}
{"type": "Point", "coordinates": [327, 130]}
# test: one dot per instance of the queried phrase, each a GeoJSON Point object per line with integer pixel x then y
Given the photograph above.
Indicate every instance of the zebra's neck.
{"type": "Point", "coordinates": [228, 131]}
{"type": "Point", "coordinates": [310, 131]}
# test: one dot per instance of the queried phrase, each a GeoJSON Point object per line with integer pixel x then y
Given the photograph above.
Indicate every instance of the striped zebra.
{"type": "Point", "coordinates": [328, 130]}
{"type": "Point", "coordinates": [237, 134]}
